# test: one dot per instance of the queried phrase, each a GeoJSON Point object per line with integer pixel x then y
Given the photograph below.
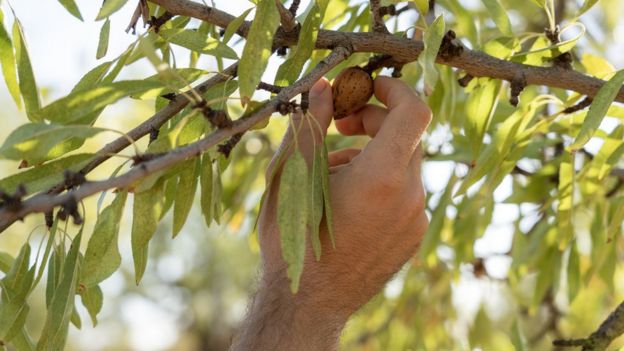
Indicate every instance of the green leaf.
{"type": "Point", "coordinates": [480, 107]}
{"type": "Point", "coordinates": [27, 83]}
{"type": "Point", "coordinates": [46, 254]}
{"type": "Point", "coordinates": [329, 214]}
{"type": "Point", "coordinates": [33, 142]}
{"type": "Point", "coordinates": [93, 77]}
{"type": "Point", "coordinates": [7, 60]}
{"type": "Point", "coordinates": [499, 15]}
{"type": "Point", "coordinates": [6, 261]}
{"type": "Point", "coordinates": [217, 189]}
{"type": "Point", "coordinates": [145, 213]}
{"type": "Point", "coordinates": [234, 25]}
{"type": "Point", "coordinates": [432, 40]}
{"type": "Point", "coordinates": [574, 273]}
{"type": "Point", "coordinates": [292, 215]}
{"type": "Point", "coordinates": [185, 194]}
{"type": "Point", "coordinates": [257, 48]}
{"type": "Point", "coordinates": [598, 109]}
{"type": "Point", "coordinates": [193, 40]}
{"type": "Point", "coordinates": [587, 5]}
{"type": "Point", "coordinates": [438, 218]}
{"type": "Point", "coordinates": [75, 319]}
{"type": "Point", "coordinates": [103, 42]}
{"type": "Point", "coordinates": [422, 6]}
{"type": "Point", "coordinates": [72, 8]}
{"type": "Point", "coordinates": [44, 176]}
{"type": "Point", "coordinates": [540, 3]}
{"type": "Point", "coordinates": [206, 188]}
{"type": "Point", "coordinates": [566, 200]}
{"type": "Point", "coordinates": [54, 333]}
{"type": "Point", "coordinates": [93, 299]}
{"type": "Point", "coordinates": [315, 199]}
{"type": "Point", "coordinates": [102, 256]}
{"type": "Point", "coordinates": [109, 7]}
{"type": "Point", "coordinates": [78, 104]}
{"type": "Point", "coordinates": [16, 286]}
{"type": "Point", "coordinates": [290, 70]}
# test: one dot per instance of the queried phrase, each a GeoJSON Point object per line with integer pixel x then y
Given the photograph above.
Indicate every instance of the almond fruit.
{"type": "Point", "coordinates": [351, 89]}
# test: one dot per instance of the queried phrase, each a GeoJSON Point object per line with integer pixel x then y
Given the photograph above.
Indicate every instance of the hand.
{"type": "Point", "coordinates": [378, 203]}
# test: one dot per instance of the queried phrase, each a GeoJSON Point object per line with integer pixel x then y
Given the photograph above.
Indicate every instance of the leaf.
{"type": "Point", "coordinates": [329, 214]}
{"type": "Point", "coordinates": [499, 15]}
{"type": "Point", "coordinates": [432, 40]}
{"type": "Point", "coordinates": [16, 286]}
{"type": "Point", "coordinates": [315, 204]}
{"type": "Point", "coordinates": [480, 107]}
{"type": "Point", "coordinates": [103, 42]}
{"type": "Point", "coordinates": [75, 319]}
{"type": "Point", "coordinates": [93, 299]}
{"type": "Point", "coordinates": [234, 25]}
{"type": "Point", "coordinates": [195, 41]}
{"type": "Point", "coordinates": [598, 109]}
{"type": "Point", "coordinates": [27, 83]}
{"type": "Point", "coordinates": [72, 107]}
{"type": "Point", "coordinates": [93, 77]}
{"type": "Point", "coordinates": [55, 265]}
{"type": "Point", "coordinates": [292, 215]}
{"type": "Point", "coordinates": [587, 5]}
{"type": "Point", "coordinates": [217, 190]}
{"type": "Point", "coordinates": [206, 188]}
{"type": "Point", "coordinates": [145, 214]}
{"type": "Point", "coordinates": [6, 261]}
{"type": "Point", "coordinates": [257, 48]}
{"type": "Point", "coordinates": [46, 254]}
{"type": "Point", "coordinates": [185, 194]}
{"type": "Point", "coordinates": [102, 256]}
{"type": "Point", "coordinates": [72, 8]}
{"type": "Point", "coordinates": [438, 217]}
{"type": "Point", "coordinates": [566, 200]}
{"type": "Point", "coordinates": [44, 176]}
{"type": "Point", "coordinates": [54, 333]}
{"type": "Point", "coordinates": [540, 3]}
{"type": "Point", "coordinates": [574, 273]}
{"type": "Point", "coordinates": [290, 70]}
{"type": "Point", "coordinates": [109, 7]}
{"type": "Point", "coordinates": [7, 60]}
{"type": "Point", "coordinates": [33, 142]}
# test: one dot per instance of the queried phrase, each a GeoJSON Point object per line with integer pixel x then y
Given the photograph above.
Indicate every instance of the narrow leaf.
{"type": "Point", "coordinates": [72, 8]}
{"type": "Point", "coordinates": [329, 214]}
{"type": "Point", "coordinates": [109, 7]}
{"type": "Point", "coordinates": [598, 109]}
{"type": "Point", "coordinates": [292, 215]}
{"type": "Point", "coordinates": [480, 107]}
{"type": "Point", "coordinates": [566, 200]}
{"type": "Point", "coordinates": [315, 205]}
{"type": "Point", "coordinates": [432, 40]}
{"type": "Point", "coordinates": [234, 25]}
{"type": "Point", "coordinates": [102, 256]}
{"type": "Point", "coordinates": [27, 83]}
{"type": "Point", "coordinates": [206, 189]}
{"type": "Point", "coordinates": [193, 40]}
{"type": "Point", "coordinates": [257, 48]}
{"type": "Point", "coordinates": [587, 5]}
{"type": "Point", "coordinates": [185, 194]}
{"type": "Point", "coordinates": [103, 42]}
{"type": "Point", "coordinates": [93, 299]}
{"type": "Point", "coordinates": [7, 60]}
{"type": "Point", "coordinates": [145, 214]}
{"type": "Point", "coordinates": [499, 15]}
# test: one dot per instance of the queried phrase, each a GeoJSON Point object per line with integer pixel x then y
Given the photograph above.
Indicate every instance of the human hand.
{"type": "Point", "coordinates": [378, 203]}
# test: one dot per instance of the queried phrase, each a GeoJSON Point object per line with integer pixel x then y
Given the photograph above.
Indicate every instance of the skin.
{"type": "Point", "coordinates": [378, 203]}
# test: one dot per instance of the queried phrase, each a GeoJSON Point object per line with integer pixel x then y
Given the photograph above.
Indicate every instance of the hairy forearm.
{"type": "Point", "coordinates": [280, 320]}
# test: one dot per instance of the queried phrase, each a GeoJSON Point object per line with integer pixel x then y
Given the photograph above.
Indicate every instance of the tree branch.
{"type": "Point", "coordinates": [46, 202]}
{"type": "Point", "coordinates": [599, 340]}
{"type": "Point", "coordinates": [377, 17]}
{"type": "Point", "coordinates": [286, 17]}
{"type": "Point", "coordinates": [474, 63]}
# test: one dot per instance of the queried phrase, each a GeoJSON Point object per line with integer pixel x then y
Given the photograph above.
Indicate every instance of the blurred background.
{"type": "Point", "coordinates": [197, 286]}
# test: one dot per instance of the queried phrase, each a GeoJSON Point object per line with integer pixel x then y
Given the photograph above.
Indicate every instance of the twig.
{"type": "Point", "coordinates": [46, 202]}
{"type": "Point", "coordinates": [599, 340]}
{"type": "Point", "coordinates": [377, 16]}
{"type": "Point", "coordinates": [286, 17]}
{"type": "Point", "coordinates": [475, 63]}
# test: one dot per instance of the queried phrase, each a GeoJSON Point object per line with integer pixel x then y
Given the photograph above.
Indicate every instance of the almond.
{"type": "Point", "coordinates": [351, 89]}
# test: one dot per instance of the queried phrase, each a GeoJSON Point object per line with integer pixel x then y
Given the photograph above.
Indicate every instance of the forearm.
{"type": "Point", "coordinates": [279, 320]}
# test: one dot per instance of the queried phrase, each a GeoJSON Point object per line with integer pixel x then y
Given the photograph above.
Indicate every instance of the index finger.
{"type": "Point", "coordinates": [401, 131]}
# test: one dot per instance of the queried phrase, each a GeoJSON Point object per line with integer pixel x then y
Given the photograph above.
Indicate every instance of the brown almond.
{"type": "Point", "coordinates": [351, 89]}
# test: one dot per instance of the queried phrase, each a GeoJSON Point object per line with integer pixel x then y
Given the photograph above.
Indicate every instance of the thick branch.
{"type": "Point", "coordinates": [474, 63]}
{"type": "Point", "coordinates": [599, 340]}
{"type": "Point", "coordinates": [47, 202]}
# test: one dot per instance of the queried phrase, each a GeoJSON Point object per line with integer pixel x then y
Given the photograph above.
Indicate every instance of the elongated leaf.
{"type": "Point", "coordinates": [438, 217]}
{"type": "Point", "coordinates": [80, 103]}
{"type": "Point", "coordinates": [432, 39]}
{"type": "Point", "coordinates": [195, 41]}
{"type": "Point", "coordinates": [72, 8]}
{"type": "Point", "coordinates": [566, 200]}
{"type": "Point", "coordinates": [480, 106]}
{"type": "Point", "coordinates": [7, 60]}
{"type": "Point", "coordinates": [145, 214]}
{"type": "Point", "coordinates": [185, 194]}
{"type": "Point", "coordinates": [103, 42]}
{"type": "Point", "coordinates": [102, 257]}
{"type": "Point", "coordinates": [257, 48]}
{"type": "Point", "coordinates": [33, 142]}
{"type": "Point", "coordinates": [315, 199]}
{"type": "Point", "coordinates": [44, 176]}
{"type": "Point", "coordinates": [587, 5]}
{"type": "Point", "coordinates": [109, 7]}
{"type": "Point", "coordinates": [48, 250]}
{"type": "Point", "coordinates": [598, 109]}
{"type": "Point", "coordinates": [574, 273]}
{"type": "Point", "coordinates": [290, 70]}
{"type": "Point", "coordinates": [206, 189]}
{"type": "Point", "coordinates": [292, 215]}
{"type": "Point", "coordinates": [54, 333]}
{"type": "Point", "coordinates": [27, 84]}
{"type": "Point", "coordinates": [16, 286]}
{"type": "Point", "coordinates": [499, 15]}
{"type": "Point", "coordinates": [93, 299]}
{"type": "Point", "coordinates": [217, 190]}
{"type": "Point", "coordinates": [329, 214]}
{"type": "Point", "coordinates": [93, 77]}
{"type": "Point", "coordinates": [234, 25]}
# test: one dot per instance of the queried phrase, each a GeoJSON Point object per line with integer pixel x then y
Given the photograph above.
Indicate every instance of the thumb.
{"type": "Point", "coordinates": [311, 128]}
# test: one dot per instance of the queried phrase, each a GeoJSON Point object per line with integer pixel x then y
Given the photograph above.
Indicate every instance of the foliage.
{"type": "Point", "coordinates": [549, 167]}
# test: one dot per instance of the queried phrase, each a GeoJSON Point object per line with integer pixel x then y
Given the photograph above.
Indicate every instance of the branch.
{"type": "Point", "coordinates": [599, 340]}
{"type": "Point", "coordinates": [47, 202]}
{"type": "Point", "coordinates": [377, 16]}
{"type": "Point", "coordinates": [286, 17]}
{"type": "Point", "coordinates": [474, 63]}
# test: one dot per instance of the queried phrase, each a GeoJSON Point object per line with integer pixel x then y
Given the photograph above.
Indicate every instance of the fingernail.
{"type": "Point", "coordinates": [318, 87]}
